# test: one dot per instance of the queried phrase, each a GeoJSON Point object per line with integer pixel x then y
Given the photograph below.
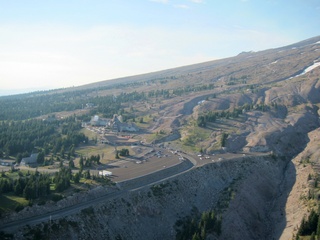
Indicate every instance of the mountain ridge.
{"type": "Point", "coordinates": [250, 123]}
{"type": "Point", "coordinates": [190, 68]}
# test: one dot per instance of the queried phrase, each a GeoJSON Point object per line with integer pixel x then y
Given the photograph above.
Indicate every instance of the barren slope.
{"type": "Point", "coordinates": [258, 197]}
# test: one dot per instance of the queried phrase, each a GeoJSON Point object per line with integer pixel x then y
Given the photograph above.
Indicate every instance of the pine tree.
{"type": "Point", "coordinates": [72, 150]}
{"type": "Point", "coordinates": [87, 174]}
{"type": "Point", "coordinates": [318, 228]}
{"type": "Point", "coordinates": [302, 227]}
{"type": "Point", "coordinates": [62, 152]}
{"type": "Point", "coordinates": [71, 164]}
{"type": "Point", "coordinates": [40, 157]}
{"type": "Point", "coordinates": [81, 162]}
{"type": "Point", "coordinates": [196, 237]}
{"type": "Point", "coordinates": [76, 178]}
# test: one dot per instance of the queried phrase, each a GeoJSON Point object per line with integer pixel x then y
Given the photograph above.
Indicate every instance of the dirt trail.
{"type": "Point", "coordinates": [296, 206]}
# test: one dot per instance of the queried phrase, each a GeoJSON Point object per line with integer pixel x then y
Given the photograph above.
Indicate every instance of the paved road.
{"type": "Point", "coordinates": [12, 226]}
{"type": "Point", "coordinates": [46, 217]}
{"type": "Point", "coordinates": [128, 169]}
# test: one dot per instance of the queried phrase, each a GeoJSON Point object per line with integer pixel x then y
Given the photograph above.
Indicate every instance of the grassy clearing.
{"type": "Point", "coordinates": [226, 125]}
{"type": "Point", "coordinates": [194, 136]}
{"type": "Point", "coordinates": [188, 148]}
{"type": "Point", "coordinates": [143, 125]}
{"type": "Point", "coordinates": [147, 121]}
{"type": "Point", "coordinates": [89, 134]}
{"type": "Point", "coordinates": [106, 152]}
{"type": "Point", "coordinates": [89, 150]}
{"type": "Point", "coordinates": [154, 136]}
{"type": "Point", "coordinates": [12, 175]}
{"type": "Point", "coordinates": [52, 187]}
{"type": "Point", "coordinates": [10, 202]}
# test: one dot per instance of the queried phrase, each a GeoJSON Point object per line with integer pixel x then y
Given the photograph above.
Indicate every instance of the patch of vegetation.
{"type": "Point", "coordinates": [23, 189]}
{"type": "Point", "coordinates": [192, 88]}
{"type": "Point", "coordinates": [29, 186]}
{"type": "Point", "coordinates": [195, 135]}
{"type": "Point", "coordinates": [212, 116]}
{"type": "Point", "coordinates": [234, 80]}
{"type": "Point", "coordinates": [104, 151]}
{"type": "Point", "coordinates": [223, 139]}
{"type": "Point", "coordinates": [21, 138]}
{"type": "Point", "coordinates": [305, 161]}
{"type": "Point", "coordinates": [11, 202]}
{"type": "Point", "coordinates": [89, 134]}
{"type": "Point", "coordinates": [153, 137]}
{"type": "Point", "coordinates": [56, 197]}
{"type": "Point", "coordinates": [103, 180]}
{"type": "Point", "coordinates": [310, 226]}
{"type": "Point", "coordinates": [88, 211]}
{"type": "Point", "coordinates": [226, 196]}
{"type": "Point", "coordinates": [6, 236]}
{"type": "Point", "coordinates": [124, 152]}
{"type": "Point", "coordinates": [35, 234]}
{"type": "Point", "coordinates": [158, 190]}
{"type": "Point", "coordinates": [198, 225]}
{"type": "Point", "coordinates": [62, 179]}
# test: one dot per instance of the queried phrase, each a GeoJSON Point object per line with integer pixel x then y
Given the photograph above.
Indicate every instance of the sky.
{"type": "Point", "coordinates": [63, 43]}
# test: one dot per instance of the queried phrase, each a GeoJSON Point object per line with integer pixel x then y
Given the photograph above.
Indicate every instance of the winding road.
{"type": "Point", "coordinates": [74, 209]}
{"type": "Point", "coordinates": [70, 210]}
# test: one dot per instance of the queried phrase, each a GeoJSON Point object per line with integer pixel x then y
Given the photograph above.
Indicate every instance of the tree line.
{"type": "Point", "coordinates": [310, 226]}
{"type": "Point", "coordinates": [36, 185]}
{"type": "Point", "coordinates": [87, 162]}
{"type": "Point", "coordinates": [212, 116]}
{"type": "Point", "coordinates": [31, 105]}
{"type": "Point", "coordinates": [199, 226]}
{"type": "Point", "coordinates": [21, 138]}
{"type": "Point", "coordinates": [30, 186]}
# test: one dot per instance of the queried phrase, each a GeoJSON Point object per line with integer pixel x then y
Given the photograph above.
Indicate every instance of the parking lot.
{"type": "Point", "coordinates": [155, 160]}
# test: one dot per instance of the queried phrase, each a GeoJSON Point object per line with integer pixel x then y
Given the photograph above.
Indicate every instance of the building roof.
{"type": "Point", "coordinates": [31, 159]}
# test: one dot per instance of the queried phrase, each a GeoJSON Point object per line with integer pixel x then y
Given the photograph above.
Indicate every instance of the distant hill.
{"type": "Point", "coordinates": [246, 62]}
{"type": "Point", "coordinates": [227, 66]}
{"type": "Point", "coordinates": [249, 124]}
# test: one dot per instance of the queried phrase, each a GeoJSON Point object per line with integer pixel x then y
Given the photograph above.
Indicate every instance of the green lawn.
{"type": "Point", "coordinates": [10, 202]}
{"type": "Point", "coordinates": [195, 135]}
{"type": "Point", "coordinates": [89, 134]}
{"type": "Point", "coordinates": [153, 136]}
{"type": "Point", "coordinates": [104, 150]}
{"type": "Point", "coordinates": [12, 175]}
{"type": "Point", "coordinates": [93, 150]}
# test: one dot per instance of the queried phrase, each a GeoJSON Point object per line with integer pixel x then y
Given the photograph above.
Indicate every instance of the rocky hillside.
{"type": "Point", "coordinates": [266, 103]}
{"type": "Point", "coordinates": [244, 191]}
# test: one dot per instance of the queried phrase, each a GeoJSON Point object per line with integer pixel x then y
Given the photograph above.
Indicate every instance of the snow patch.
{"type": "Point", "coordinates": [317, 64]}
{"type": "Point", "coordinates": [308, 69]}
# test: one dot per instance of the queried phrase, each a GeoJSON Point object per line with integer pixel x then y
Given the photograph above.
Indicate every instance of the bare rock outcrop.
{"type": "Point", "coordinates": [244, 189]}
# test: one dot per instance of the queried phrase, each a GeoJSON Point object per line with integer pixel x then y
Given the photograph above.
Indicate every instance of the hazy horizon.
{"type": "Point", "coordinates": [59, 44]}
